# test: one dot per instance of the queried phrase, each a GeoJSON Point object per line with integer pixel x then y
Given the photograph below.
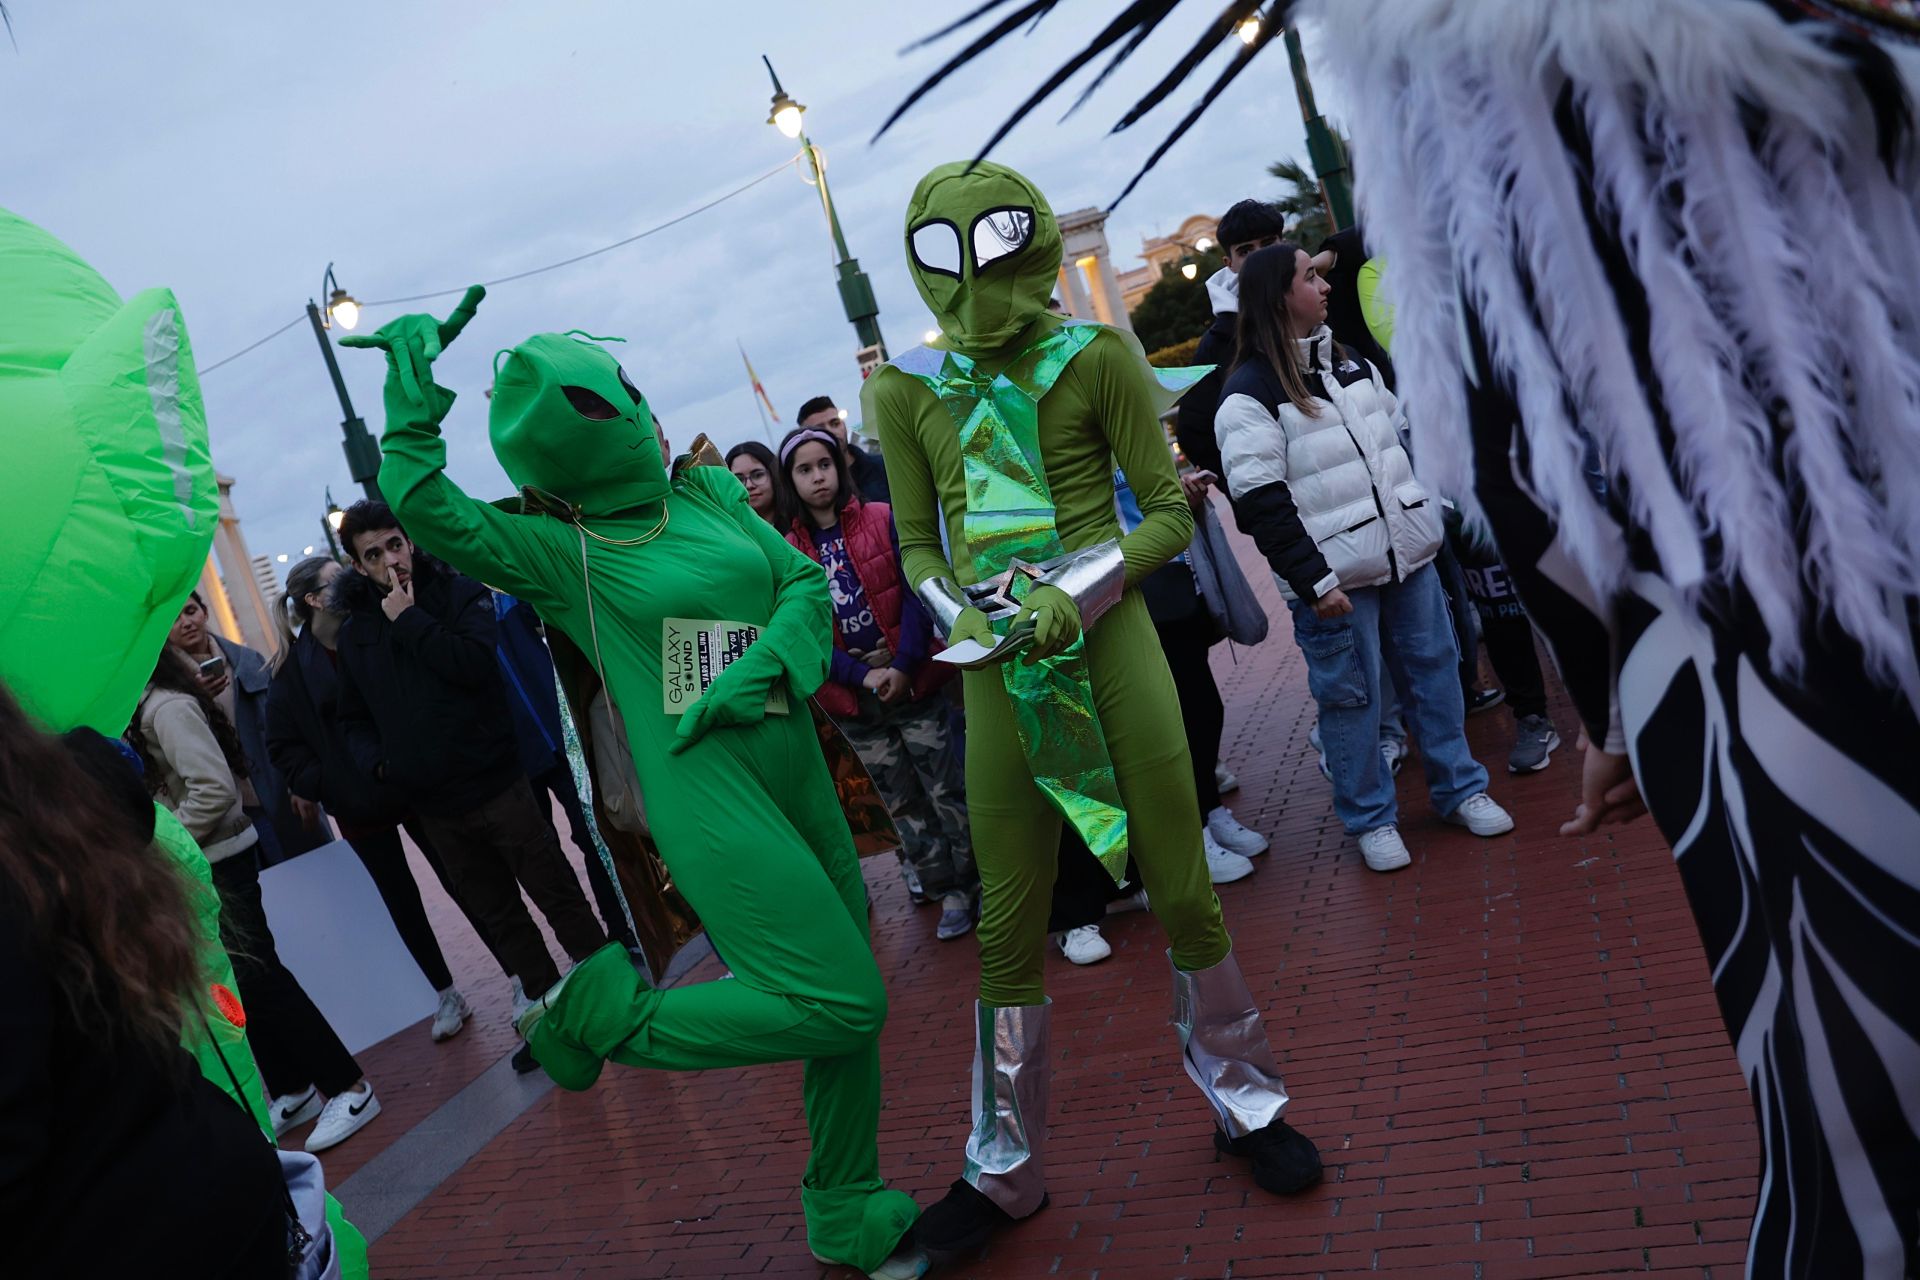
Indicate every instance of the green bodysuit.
{"type": "Point", "coordinates": [1103, 410]}
{"type": "Point", "coordinates": [738, 800]}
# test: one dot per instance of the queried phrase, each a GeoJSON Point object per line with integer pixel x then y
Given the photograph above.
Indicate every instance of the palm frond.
{"type": "Point", "coordinates": [6, 20]}
{"type": "Point", "coordinates": [1123, 35]}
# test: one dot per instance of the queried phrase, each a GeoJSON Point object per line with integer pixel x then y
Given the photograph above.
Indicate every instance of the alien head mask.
{"type": "Point", "coordinates": [566, 420]}
{"type": "Point", "coordinates": [985, 251]}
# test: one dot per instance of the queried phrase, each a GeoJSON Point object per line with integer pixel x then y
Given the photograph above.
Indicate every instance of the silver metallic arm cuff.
{"type": "Point", "coordinates": [1096, 578]}
{"type": "Point", "coordinates": [944, 600]}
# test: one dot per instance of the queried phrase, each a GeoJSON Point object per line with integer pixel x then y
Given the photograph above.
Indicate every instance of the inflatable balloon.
{"type": "Point", "coordinates": [110, 498]}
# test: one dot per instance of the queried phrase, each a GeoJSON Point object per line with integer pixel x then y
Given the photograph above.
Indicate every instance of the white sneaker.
{"type": "Point", "coordinates": [1480, 815]}
{"type": "Point", "coordinates": [344, 1115]}
{"type": "Point", "coordinates": [1135, 901]}
{"type": "Point", "coordinates": [1229, 834]}
{"type": "Point", "coordinates": [1084, 945]}
{"type": "Point", "coordinates": [1383, 849]}
{"type": "Point", "coordinates": [1223, 779]}
{"type": "Point", "coordinates": [450, 1016]}
{"type": "Point", "coordinates": [1320, 749]}
{"type": "Point", "coordinates": [1224, 865]}
{"type": "Point", "coordinates": [520, 1001]}
{"type": "Point", "coordinates": [1393, 753]}
{"type": "Point", "coordinates": [291, 1110]}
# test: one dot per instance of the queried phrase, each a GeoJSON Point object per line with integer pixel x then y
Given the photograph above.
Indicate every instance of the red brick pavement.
{"type": "Point", "coordinates": [1509, 1054]}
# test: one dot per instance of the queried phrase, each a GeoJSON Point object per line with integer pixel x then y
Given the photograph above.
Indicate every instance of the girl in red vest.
{"type": "Point", "coordinates": [880, 686]}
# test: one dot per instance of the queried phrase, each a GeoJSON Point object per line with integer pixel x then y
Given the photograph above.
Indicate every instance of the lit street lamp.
{"type": "Point", "coordinates": [856, 291]}
{"type": "Point", "coordinates": [363, 451]}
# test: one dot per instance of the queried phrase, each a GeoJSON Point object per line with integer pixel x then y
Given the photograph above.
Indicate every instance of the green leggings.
{"type": "Point", "coordinates": [755, 839]}
{"type": "Point", "coordinates": [1016, 832]}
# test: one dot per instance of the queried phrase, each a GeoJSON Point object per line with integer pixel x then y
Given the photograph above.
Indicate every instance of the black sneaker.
{"type": "Point", "coordinates": [523, 1060]}
{"type": "Point", "coordinates": [1479, 700]}
{"type": "Point", "coordinates": [961, 1222]}
{"type": "Point", "coordinates": [1284, 1159]}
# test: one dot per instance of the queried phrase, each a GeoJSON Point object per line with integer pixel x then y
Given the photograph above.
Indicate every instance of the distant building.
{"type": "Point", "coordinates": [1090, 288]}
{"type": "Point", "coordinates": [239, 588]}
{"type": "Point", "coordinates": [1195, 235]}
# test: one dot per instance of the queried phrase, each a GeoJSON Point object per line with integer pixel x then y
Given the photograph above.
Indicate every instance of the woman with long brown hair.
{"type": "Point", "coordinates": [193, 765]}
{"type": "Point", "coordinates": [1311, 442]}
{"type": "Point", "coordinates": [117, 1157]}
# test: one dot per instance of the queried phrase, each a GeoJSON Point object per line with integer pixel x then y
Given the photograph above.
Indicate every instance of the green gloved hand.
{"type": "Point", "coordinates": [1056, 623]}
{"type": "Point", "coordinates": [972, 625]}
{"type": "Point", "coordinates": [412, 344]}
{"type": "Point", "coordinates": [738, 695]}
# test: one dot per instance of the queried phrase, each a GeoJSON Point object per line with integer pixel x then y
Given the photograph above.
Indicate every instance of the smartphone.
{"type": "Point", "coordinates": [214, 667]}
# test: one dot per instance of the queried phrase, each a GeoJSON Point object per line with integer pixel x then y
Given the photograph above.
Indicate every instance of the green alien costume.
{"type": "Point", "coordinates": [111, 511]}
{"type": "Point", "coordinates": [1009, 433]}
{"type": "Point", "coordinates": [738, 799]}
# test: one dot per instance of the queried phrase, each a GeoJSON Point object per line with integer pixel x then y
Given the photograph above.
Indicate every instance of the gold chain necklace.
{"type": "Point", "coordinates": [648, 536]}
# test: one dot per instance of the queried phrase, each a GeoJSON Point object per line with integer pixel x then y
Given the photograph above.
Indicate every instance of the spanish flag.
{"type": "Point", "coordinates": [759, 392]}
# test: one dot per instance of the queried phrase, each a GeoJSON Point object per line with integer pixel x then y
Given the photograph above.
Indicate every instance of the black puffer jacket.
{"type": "Point", "coordinates": [308, 742]}
{"type": "Point", "coordinates": [421, 700]}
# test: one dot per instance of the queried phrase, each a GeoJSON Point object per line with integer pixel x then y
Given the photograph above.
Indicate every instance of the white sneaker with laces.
{"type": "Point", "coordinates": [1224, 865]}
{"type": "Point", "coordinates": [1135, 901]}
{"type": "Point", "coordinates": [1383, 850]}
{"type": "Point", "coordinates": [520, 1002]}
{"type": "Point", "coordinates": [1229, 834]}
{"type": "Point", "coordinates": [344, 1115]}
{"type": "Point", "coordinates": [450, 1016]}
{"type": "Point", "coordinates": [1224, 780]}
{"type": "Point", "coordinates": [291, 1110]}
{"type": "Point", "coordinates": [1084, 945]}
{"type": "Point", "coordinates": [1480, 815]}
{"type": "Point", "coordinates": [1393, 754]}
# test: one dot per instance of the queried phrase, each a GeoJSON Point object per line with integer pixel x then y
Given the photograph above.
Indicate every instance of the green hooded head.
{"type": "Point", "coordinates": [566, 420]}
{"type": "Point", "coordinates": [985, 252]}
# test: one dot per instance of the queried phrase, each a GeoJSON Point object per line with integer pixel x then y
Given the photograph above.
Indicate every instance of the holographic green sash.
{"type": "Point", "coordinates": [1010, 515]}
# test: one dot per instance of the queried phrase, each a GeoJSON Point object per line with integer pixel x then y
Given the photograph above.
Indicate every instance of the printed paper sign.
{"type": "Point", "coordinates": [693, 653]}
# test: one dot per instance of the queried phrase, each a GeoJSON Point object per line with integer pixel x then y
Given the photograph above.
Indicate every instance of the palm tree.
{"type": "Point", "coordinates": [1304, 203]}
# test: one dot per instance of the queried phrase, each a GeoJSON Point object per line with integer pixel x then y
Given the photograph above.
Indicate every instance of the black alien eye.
{"type": "Point", "coordinates": [627, 382]}
{"type": "Point", "coordinates": [590, 404]}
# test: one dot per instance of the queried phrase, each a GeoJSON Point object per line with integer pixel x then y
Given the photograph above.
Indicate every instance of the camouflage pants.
{"type": "Point", "coordinates": [910, 752]}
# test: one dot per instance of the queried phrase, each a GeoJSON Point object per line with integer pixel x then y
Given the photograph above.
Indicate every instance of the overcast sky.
{"type": "Point", "coordinates": [231, 150]}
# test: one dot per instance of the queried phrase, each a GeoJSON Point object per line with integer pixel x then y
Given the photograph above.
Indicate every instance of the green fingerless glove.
{"type": "Point", "coordinates": [1056, 622]}
{"type": "Point", "coordinates": [972, 625]}
{"type": "Point", "coordinates": [738, 695]}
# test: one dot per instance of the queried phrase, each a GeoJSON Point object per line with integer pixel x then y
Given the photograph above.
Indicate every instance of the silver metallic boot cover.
{"type": "Point", "coordinates": [1224, 1045]}
{"type": "Point", "coordinates": [1012, 1068]}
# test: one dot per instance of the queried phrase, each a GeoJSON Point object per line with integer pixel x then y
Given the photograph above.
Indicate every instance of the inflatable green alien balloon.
{"type": "Point", "coordinates": [111, 503]}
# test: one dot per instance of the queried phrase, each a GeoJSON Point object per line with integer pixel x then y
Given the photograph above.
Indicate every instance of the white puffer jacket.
{"type": "Point", "coordinates": [1346, 473]}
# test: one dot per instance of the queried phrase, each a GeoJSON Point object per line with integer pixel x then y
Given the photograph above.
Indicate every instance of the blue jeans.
{"type": "Point", "coordinates": [1345, 669]}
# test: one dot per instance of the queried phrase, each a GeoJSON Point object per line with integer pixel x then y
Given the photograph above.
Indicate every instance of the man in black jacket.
{"type": "Point", "coordinates": [424, 710]}
{"type": "Point", "coordinates": [1248, 226]}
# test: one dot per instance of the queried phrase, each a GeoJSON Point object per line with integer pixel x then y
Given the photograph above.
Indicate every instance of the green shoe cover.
{"type": "Point", "coordinates": [599, 1008]}
{"type": "Point", "coordinates": [858, 1226]}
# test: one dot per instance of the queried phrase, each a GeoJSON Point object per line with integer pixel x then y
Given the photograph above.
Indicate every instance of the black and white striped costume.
{"type": "Point", "coordinates": [1655, 260]}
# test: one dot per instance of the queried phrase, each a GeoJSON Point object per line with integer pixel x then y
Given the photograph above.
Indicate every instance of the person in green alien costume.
{"type": "Point", "coordinates": [111, 509]}
{"type": "Point", "coordinates": [1010, 430]}
{"type": "Point", "coordinates": [739, 799]}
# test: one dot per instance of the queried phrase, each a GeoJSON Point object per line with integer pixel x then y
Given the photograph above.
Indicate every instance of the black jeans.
{"type": "Point", "coordinates": [558, 783]}
{"type": "Point", "coordinates": [386, 861]}
{"type": "Point", "coordinates": [1186, 642]}
{"type": "Point", "coordinates": [1509, 642]}
{"type": "Point", "coordinates": [290, 1037]}
{"type": "Point", "coordinates": [494, 849]}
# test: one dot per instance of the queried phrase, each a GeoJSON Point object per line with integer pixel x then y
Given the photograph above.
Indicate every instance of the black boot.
{"type": "Point", "coordinates": [1284, 1159]}
{"type": "Point", "coordinates": [961, 1222]}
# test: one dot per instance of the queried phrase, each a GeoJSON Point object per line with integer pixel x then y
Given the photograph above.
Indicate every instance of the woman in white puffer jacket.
{"type": "Point", "coordinates": [1311, 443]}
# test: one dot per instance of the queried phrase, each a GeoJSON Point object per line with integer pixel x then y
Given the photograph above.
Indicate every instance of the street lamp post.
{"type": "Point", "coordinates": [1324, 148]}
{"type": "Point", "coordinates": [856, 291]}
{"type": "Point", "coordinates": [362, 450]}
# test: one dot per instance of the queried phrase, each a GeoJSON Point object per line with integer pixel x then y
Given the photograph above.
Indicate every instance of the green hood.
{"type": "Point", "coordinates": [566, 420]}
{"type": "Point", "coordinates": [984, 250]}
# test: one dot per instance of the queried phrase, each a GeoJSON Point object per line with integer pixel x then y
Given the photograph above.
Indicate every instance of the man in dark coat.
{"type": "Point", "coordinates": [424, 710]}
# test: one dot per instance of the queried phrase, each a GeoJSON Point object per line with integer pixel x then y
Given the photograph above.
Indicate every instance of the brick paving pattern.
{"type": "Point", "coordinates": [1508, 1053]}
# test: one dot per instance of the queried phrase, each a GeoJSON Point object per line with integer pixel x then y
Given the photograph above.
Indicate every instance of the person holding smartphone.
{"type": "Point", "coordinates": [237, 678]}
